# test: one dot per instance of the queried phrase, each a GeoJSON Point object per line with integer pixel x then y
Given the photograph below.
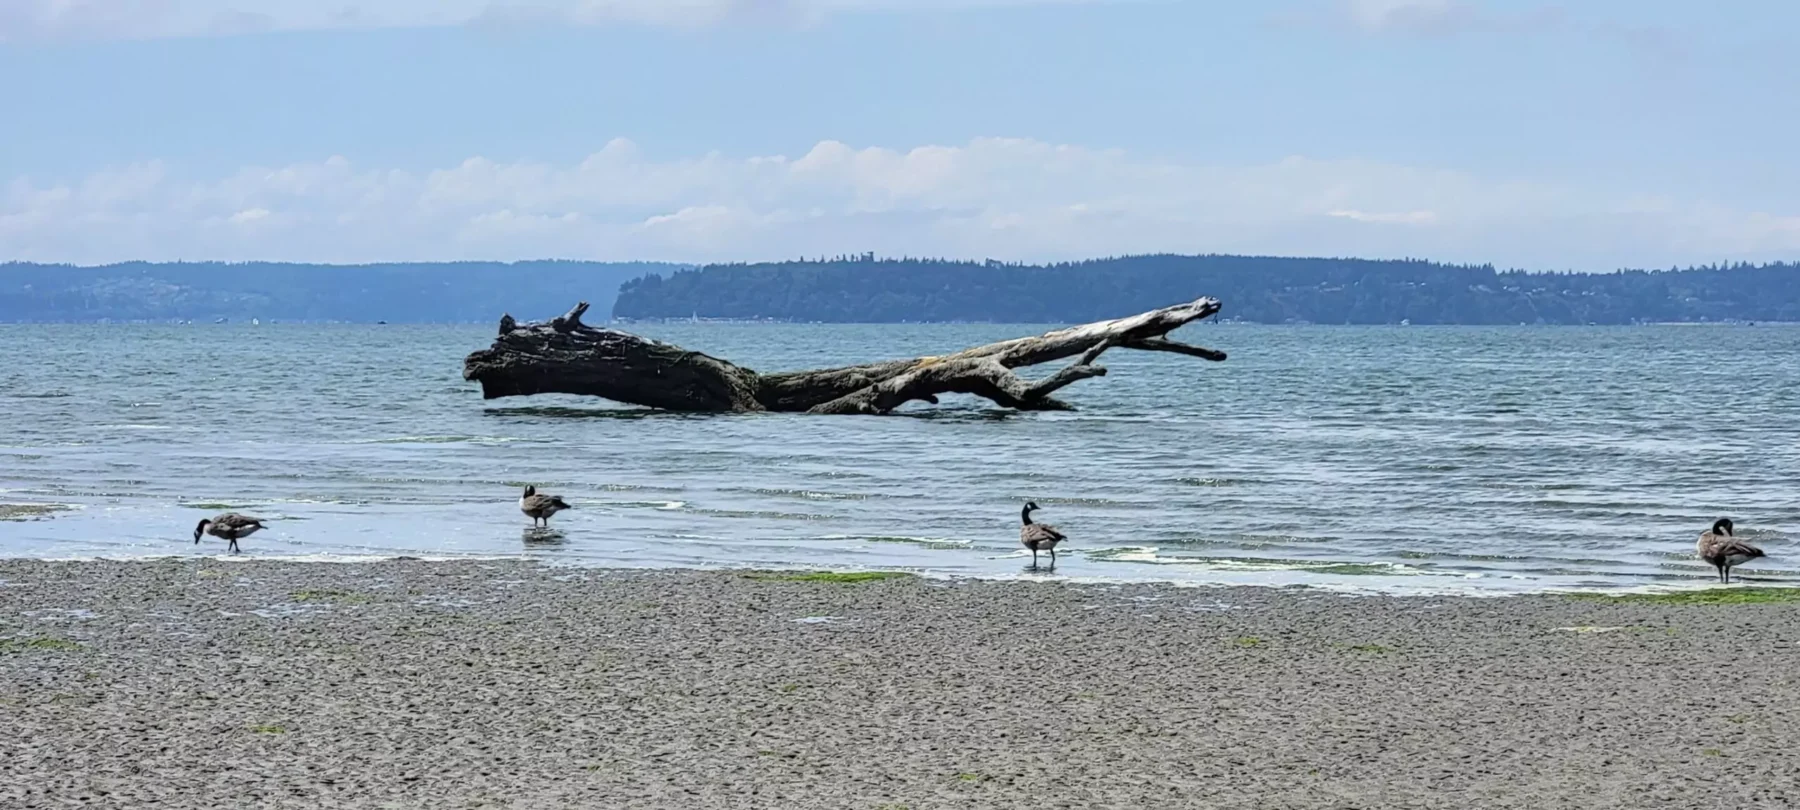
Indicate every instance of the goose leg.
{"type": "Point", "coordinates": [234, 548]}
{"type": "Point", "coordinates": [1052, 556]}
{"type": "Point", "coordinates": [1034, 558]}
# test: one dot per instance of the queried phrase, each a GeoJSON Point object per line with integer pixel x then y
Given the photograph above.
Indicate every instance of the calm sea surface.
{"type": "Point", "coordinates": [1421, 458]}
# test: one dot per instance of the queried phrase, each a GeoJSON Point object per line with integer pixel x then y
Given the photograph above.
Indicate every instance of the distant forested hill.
{"type": "Point", "coordinates": [422, 292]}
{"type": "Point", "coordinates": [1264, 289]}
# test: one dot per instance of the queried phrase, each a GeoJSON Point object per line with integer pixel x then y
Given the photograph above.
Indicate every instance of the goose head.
{"type": "Point", "coordinates": [200, 530]}
{"type": "Point", "coordinates": [1723, 526]}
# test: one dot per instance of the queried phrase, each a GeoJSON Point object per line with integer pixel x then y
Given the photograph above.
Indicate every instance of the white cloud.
{"type": "Point", "coordinates": [1390, 217]}
{"type": "Point", "coordinates": [31, 20]}
{"type": "Point", "coordinates": [1003, 198]}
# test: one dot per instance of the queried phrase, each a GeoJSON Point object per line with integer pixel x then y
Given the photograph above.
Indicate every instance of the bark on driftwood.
{"type": "Point", "coordinates": [566, 356]}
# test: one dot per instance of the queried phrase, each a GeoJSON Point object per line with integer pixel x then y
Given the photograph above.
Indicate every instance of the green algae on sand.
{"type": "Point", "coordinates": [38, 644]}
{"type": "Point", "coordinates": [1709, 596]}
{"type": "Point", "coordinates": [31, 511]}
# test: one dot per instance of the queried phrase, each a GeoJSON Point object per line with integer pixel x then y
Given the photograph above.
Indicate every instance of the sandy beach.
{"type": "Point", "coordinates": [215, 683]}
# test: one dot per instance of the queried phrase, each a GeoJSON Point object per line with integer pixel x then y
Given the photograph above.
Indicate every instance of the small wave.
{"type": "Point", "coordinates": [1150, 555]}
{"type": "Point", "coordinates": [811, 495]}
{"type": "Point", "coordinates": [1208, 482]}
{"type": "Point", "coordinates": [42, 395]}
{"type": "Point", "coordinates": [747, 513]}
{"type": "Point", "coordinates": [666, 506]}
{"type": "Point", "coordinates": [136, 426]}
{"type": "Point", "coordinates": [632, 488]}
{"type": "Point", "coordinates": [1446, 555]}
{"type": "Point", "coordinates": [1103, 503]}
{"type": "Point", "coordinates": [927, 542]}
{"type": "Point", "coordinates": [444, 440]}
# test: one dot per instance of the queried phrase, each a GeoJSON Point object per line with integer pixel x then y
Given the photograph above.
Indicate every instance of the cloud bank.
{"type": "Point", "coordinates": [1004, 198]}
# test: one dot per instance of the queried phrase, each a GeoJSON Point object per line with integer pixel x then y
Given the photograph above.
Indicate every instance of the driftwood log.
{"type": "Point", "coordinates": [566, 356]}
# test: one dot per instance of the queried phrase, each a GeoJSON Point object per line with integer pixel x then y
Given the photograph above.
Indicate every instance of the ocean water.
{"type": "Point", "coordinates": [1391, 458]}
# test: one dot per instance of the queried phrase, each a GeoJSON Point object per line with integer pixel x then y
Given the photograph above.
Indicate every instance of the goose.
{"type": "Point", "coordinates": [540, 507]}
{"type": "Point", "coordinates": [1723, 550]}
{"type": "Point", "coordinates": [1038, 536]}
{"type": "Point", "coordinates": [229, 526]}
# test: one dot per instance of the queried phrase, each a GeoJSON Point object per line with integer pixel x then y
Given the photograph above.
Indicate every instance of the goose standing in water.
{"type": "Point", "coordinates": [1720, 548]}
{"type": "Point", "coordinates": [540, 507]}
{"type": "Point", "coordinates": [1038, 536]}
{"type": "Point", "coordinates": [229, 526]}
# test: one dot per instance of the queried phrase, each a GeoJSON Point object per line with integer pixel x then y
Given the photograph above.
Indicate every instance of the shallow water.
{"type": "Point", "coordinates": [1435, 458]}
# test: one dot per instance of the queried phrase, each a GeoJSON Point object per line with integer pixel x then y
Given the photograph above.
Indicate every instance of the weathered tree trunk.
{"type": "Point", "coordinates": [566, 356]}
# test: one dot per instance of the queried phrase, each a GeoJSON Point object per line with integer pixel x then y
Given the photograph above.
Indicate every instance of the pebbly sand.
{"type": "Point", "coordinates": [211, 683]}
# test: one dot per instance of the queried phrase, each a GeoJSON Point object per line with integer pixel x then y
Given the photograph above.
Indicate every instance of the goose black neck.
{"type": "Point", "coordinates": [1025, 515]}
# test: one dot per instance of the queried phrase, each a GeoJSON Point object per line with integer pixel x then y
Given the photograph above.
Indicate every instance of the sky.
{"type": "Point", "coordinates": [1586, 135]}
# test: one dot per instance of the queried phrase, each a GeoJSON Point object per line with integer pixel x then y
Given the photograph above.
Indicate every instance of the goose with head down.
{"type": "Point", "coordinates": [229, 527]}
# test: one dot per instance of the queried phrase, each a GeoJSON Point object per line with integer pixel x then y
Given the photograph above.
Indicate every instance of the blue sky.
{"type": "Point", "coordinates": [1584, 135]}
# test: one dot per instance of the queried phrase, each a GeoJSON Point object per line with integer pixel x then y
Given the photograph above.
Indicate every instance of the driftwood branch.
{"type": "Point", "coordinates": [567, 356]}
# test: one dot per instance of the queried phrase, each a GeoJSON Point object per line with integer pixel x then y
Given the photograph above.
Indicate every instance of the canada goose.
{"type": "Point", "coordinates": [1723, 550]}
{"type": "Point", "coordinates": [540, 507]}
{"type": "Point", "coordinates": [229, 526]}
{"type": "Point", "coordinates": [1038, 536]}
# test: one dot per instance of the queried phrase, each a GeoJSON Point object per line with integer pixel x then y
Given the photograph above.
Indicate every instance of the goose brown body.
{"type": "Point", "coordinates": [1038, 536]}
{"type": "Point", "coordinates": [540, 507]}
{"type": "Point", "coordinates": [1723, 550]}
{"type": "Point", "coordinates": [229, 527]}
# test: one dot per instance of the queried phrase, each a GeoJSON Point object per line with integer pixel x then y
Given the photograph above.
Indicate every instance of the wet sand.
{"type": "Point", "coordinates": [202, 683]}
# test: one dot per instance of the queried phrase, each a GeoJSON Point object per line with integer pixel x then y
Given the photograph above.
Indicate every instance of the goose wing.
{"type": "Point", "coordinates": [539, 503]}
{"type": "Point", "coordinates": [1721, 546]}
{"type": "Point", "coordinates": [233, 520]}
{"type": "Point", "coordinates": [1736, 551]}
{"type": "Point", "coordinates": [1040, 534]}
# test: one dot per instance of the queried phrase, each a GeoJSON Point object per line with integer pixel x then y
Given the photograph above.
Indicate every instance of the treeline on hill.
{"type": "Point", "coordinates": [399, 292]}
{"type": "Point", "coordinates": [1254, 288]}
